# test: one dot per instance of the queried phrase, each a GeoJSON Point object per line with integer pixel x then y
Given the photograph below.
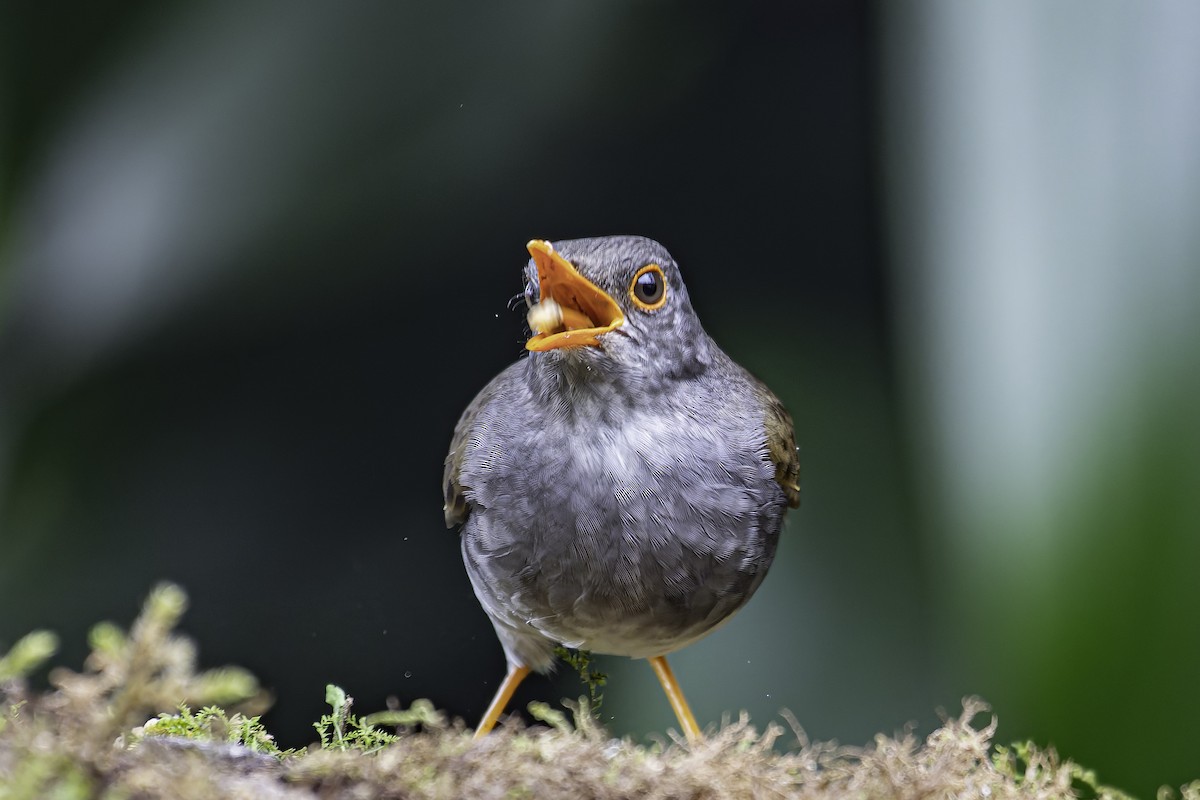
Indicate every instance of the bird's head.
{"type": "Point", "coordinates": [616, 299]}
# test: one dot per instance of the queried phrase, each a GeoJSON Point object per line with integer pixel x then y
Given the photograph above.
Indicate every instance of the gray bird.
{"type": "Point", "coordinates": [622, 489]}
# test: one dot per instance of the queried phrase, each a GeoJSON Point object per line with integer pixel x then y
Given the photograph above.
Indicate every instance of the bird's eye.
{"type": "Point", "coordinates": [649, 288]}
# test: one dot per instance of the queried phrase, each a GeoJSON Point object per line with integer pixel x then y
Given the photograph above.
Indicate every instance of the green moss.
{"type": "Point", "coordinates": [29, 653]}
{"type": "Point", "coordinates": [1024, 761]}
{"type": "Point", "coordinates": [581, 661]}
{"type": "Point", "coordinates": [343, 731]}
{"type": "Point", "coordinates": [213, 724]}
{"type": "Point", "coordinates": [124, 728]}
{"type": "Point", "coordinates": [420, 714]}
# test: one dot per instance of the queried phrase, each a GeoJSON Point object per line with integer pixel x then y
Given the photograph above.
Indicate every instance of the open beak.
{"type": "Point", "coordinates": [572, 311]}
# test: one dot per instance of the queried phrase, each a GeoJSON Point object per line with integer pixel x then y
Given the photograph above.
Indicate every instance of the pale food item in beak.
{"type": "Point", "coordinates": [549, 317]}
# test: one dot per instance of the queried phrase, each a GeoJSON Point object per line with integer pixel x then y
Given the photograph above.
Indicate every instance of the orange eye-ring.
{"type": "Point", "coordinates": [649, 288]}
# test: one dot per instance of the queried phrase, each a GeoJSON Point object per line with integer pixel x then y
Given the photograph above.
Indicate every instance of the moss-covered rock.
{"type": "Point", "coordinates": [124, 728]}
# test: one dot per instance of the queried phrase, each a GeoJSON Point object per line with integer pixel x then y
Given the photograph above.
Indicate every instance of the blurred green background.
{"type": "Point", "coordinates": [256, 257]}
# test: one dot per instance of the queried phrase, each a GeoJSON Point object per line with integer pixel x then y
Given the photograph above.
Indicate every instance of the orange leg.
{"type": "Point", "coordinates": [675, 696]}
{"type": "Point", "coordinates": [511, 681]}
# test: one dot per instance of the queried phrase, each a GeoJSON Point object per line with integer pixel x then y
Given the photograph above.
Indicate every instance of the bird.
{"type": "Point", "coordinates": [622, 489]}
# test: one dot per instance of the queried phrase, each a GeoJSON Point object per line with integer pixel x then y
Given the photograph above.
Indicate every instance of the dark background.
{"type": "Point", "coordinates": [256, 259]}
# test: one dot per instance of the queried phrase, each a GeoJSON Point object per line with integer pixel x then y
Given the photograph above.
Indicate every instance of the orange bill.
{"type": "Point", "coordinates": [573, 311]}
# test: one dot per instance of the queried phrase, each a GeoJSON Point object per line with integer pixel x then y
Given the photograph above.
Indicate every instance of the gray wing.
{"type": "Point", "coordinates": [457, 508]}
{"type": "Point", "coordinates": [781, 443]}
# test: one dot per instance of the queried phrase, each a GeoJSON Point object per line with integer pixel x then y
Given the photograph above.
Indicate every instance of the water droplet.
{"type": "Point", "coordinates": [408, 674]}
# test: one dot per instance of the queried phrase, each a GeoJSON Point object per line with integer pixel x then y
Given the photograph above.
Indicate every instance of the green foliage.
{"type": "Point", "coordinates": [546, 713]}
{"type": "Point", "coordinates": [1025, 762]}
{"type": "Point", "coordinates": [343, 731]}
{"type": "Point", "coordinates": [150, 669]}
{"type": "Point", "coordinates": [583, 719]}
{"type": "Point", "coordinates": [29, 653]}
{"type": "Point", "coordinates": [71, 742]}
{"type": "Point", "coordinates": [213, 724]}
{"type": "Point", "coordinates": [582, 662]}
{"type": "Point", "coordinates": [420, 714]}
{"type": "Point", "coordinates": [37, 775]}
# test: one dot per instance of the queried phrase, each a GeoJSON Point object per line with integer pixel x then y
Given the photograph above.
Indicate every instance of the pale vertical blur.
{"type": "Point", "coordinates": [1043, 200]}
{"type": "Point", "coordinates": [1047, 194]}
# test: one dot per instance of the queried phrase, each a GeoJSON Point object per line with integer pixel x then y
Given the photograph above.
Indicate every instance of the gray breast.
{"type": "Point", "coordinates": [633, 534]}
